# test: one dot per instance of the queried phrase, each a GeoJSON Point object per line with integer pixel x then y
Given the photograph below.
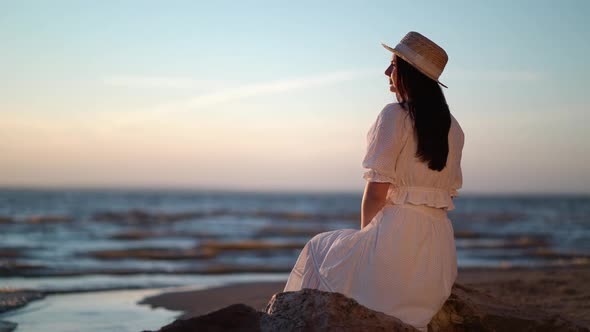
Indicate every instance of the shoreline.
{"type": "Point", "coordinates": [22, 302]}
{"type": "Point", "coordinates": [561, 290]}
{"type": "Point", "coordinates": [112, 310]}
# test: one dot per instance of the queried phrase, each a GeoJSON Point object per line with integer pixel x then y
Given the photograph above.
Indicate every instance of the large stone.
{"type": "Point", "coordinates": [466, 309]}
{"type": "Point", "coordinates": [313, 310]}
{"type": "Point", "coordinates": [305, 310]}
{"type": "Point", "coordinates": [236, 317]}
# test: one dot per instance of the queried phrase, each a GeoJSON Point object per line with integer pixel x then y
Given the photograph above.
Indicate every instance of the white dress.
{"type": "Point", "coordinates": [404, 262]}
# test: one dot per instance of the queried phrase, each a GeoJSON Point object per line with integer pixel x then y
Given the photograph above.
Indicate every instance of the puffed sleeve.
{"type": "Point", "coordinates": [385, 141]}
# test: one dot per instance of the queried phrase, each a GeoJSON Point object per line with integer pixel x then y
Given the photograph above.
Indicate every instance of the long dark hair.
{"type": "Point", "coordinates": [423, 98]}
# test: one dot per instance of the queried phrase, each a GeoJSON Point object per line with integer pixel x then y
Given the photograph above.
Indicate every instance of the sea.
{"type": "Point", "coordinates": [104, 245]}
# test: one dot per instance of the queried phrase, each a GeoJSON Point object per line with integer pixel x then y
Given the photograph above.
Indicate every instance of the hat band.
{"type": "Point", "coordinates": [418, 60]}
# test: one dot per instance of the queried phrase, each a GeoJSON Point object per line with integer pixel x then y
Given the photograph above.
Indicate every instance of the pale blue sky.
{"type": "Point", "coordinates": [278, 95]}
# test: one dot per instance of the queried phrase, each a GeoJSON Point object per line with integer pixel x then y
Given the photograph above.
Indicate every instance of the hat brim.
{"type": "Point", "coordinates": [394, 51]}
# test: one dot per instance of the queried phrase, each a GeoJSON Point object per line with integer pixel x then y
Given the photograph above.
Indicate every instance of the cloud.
{"type": "Point", "coordinates": [260, 89]}
{"type": "Point", "coordinates": [123, 118]}
{"type": "Point", "coordinates": [162, 82]}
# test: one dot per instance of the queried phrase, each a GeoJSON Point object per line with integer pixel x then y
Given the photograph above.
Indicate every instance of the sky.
{"type": "Point", "coordinates": [279, 95]}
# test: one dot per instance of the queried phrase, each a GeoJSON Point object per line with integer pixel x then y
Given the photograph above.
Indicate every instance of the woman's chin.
{"type": "Point", "coordinates": [392, 89]}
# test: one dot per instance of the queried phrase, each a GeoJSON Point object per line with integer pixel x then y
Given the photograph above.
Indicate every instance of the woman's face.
{"type": "Point", "coordinates": [390, 73]}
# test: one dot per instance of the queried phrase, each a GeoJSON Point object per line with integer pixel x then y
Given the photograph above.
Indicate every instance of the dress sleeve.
{"type": "Point", "coordinates": [385, 141]}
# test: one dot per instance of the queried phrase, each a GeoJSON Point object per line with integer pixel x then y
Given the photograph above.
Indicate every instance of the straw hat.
{"type": "Point", "coordinates": [422, 53]}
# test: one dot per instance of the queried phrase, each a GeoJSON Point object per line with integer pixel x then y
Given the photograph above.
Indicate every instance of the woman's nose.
{"type": "Point", "coordinates": [389, 70]}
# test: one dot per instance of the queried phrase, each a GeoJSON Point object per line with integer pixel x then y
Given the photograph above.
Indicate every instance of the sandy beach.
{"type": "Point", "coordinates": [555, 290]}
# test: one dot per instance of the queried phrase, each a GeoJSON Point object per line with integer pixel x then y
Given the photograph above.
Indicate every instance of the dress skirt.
{"type": "Point", "coordinates": [403, 263]}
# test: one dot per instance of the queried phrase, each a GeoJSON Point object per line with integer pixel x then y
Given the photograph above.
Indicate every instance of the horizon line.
{"type": "Point", "coordinates": [470, 193]}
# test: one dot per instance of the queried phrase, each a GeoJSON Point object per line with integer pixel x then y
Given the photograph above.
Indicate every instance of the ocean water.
{"type": "Point", "coordinates": [61, 233]}
{"type": "Point", "coordinates": [97, 252]}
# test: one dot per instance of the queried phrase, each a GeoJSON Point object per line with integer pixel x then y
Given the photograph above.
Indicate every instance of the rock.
{"type": "Point", "coordinates": [289, 230]}
{"type": "Point", "coordinates": [135, 235]}
{"type": "Point", "coordinates": [251, 245]}
{"type": "Point", "coordinates": [137, 216]}
{"type": "Point", "coordinates": [154, 254]}
{"type": "Point", "coordinates": [305, 310]}
{"type": "Point", "coordinates": [47, 219]}
{"type": "Point", "coordinates": [12, 268]}
{"type": "Point", "coordinates": [304, 216]}
{"type": "Point", "coordinates": [11, 299]}
{"type": "Point", "coordinates": [7, 326]}
{"type": "Point", "coordinates": [236, 317]}
{"type": "Point", "coordinates": [10, 252]}
{"type": "Point", "coordinates": [310, 309]}
{"type": "Point", "coordinates": [466, 309]}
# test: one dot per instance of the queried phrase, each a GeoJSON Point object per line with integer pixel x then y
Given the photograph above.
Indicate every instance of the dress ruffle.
{"type": "Point", "coordinates": [374, 176]}
{"type": "Point", "coordinates": [434, 197]}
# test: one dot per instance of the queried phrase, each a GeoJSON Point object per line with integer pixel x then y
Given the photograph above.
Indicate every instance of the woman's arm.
{"type": "Point", "coordinates": [373, 201]}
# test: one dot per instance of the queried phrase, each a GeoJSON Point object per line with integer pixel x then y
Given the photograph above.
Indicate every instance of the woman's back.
{"type": "Point", "coordinates": [412, 180]}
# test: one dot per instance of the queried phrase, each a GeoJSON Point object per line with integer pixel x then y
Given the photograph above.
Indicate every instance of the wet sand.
{"type": "Point", "coordinates": [565, 291]}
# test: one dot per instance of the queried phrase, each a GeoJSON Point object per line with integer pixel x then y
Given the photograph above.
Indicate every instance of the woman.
{"type": "Point", "coordinates": [402, 261]}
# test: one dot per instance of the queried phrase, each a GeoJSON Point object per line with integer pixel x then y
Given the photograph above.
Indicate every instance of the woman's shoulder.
{"type": "Point", "coordinates": [393, 108]}
{"type": "Point", "coordinates": [393, 118]}
{"type": "Point", "coordinates": [392, 111]}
